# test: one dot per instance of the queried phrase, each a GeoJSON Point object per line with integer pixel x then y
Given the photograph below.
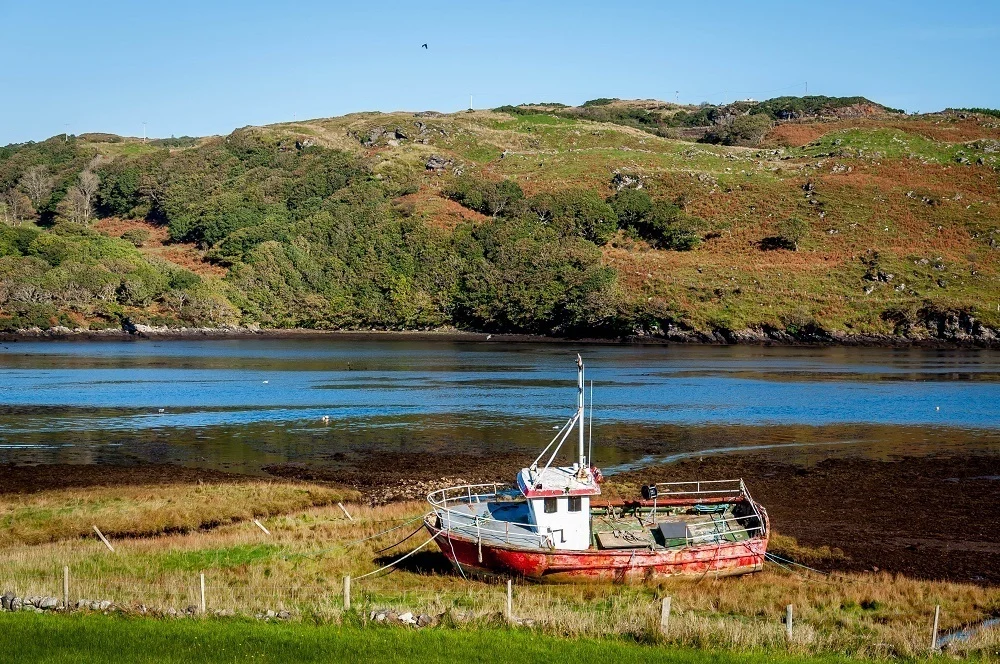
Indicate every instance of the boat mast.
{"type": "Point", "coordinates": [579, 409]}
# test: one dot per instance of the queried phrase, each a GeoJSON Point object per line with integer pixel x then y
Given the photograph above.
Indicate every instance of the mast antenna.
{"type": "Point", "coordinates": [590, 444]}
{"type": "Point", "coordinates": [580, 409]}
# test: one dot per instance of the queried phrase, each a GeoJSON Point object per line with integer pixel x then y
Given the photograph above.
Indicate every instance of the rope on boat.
{"type": "Point", "coordinates": [388, 530]}
{"type": "Point", "coordinates": [393, 546]}
{"type": "Point", "coordinates": [767, 557]}
{"type": "Point", "coordinates": [395, 562]}
{"type": "Point", "coordinates": [775, 558]}
{"type": "Point", "coordinates": [316, 554]}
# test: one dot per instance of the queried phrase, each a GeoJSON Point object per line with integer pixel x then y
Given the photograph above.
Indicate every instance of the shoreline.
{"type": "Point", "coordinates": [749, 338]}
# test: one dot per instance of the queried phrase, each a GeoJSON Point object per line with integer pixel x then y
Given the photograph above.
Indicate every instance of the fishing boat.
{"type": "Point", "coordinates": [554, 525]}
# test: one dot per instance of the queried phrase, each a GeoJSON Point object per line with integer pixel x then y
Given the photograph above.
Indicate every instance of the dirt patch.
{"type": "Point", "coordinates": [183, 255]}
{"type": "Point", "coordinates": [115, 227]}
{"type": "Point", "coordinates": [32, 479]}
{"type": "Point", "coordinates": [795, 135]}
{"type": "Point", "coordinates": [383, 477]}
{"type": "Point", "coordinates": [437, 211]}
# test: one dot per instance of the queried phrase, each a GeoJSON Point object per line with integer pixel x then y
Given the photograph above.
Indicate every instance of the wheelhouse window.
{"type": "Point", "coordinates": [575, 503]}
{"type": "Point", "coordinates": [550, 505]}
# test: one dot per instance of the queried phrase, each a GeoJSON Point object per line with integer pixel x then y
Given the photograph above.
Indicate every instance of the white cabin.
{"type": "Point", "coordinates": [559, 503]}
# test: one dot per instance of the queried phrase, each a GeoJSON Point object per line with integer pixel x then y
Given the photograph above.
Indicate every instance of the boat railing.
{"type": "Point", "coordinates": [707, 488]}
{"type": "Point", "coordinates": [447, 504]}
{"type": "Point", "coordinates": [714, 489]}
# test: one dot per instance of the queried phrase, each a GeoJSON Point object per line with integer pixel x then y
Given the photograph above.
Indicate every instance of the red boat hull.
{"type": "Point", "coordinates": [722, 559]}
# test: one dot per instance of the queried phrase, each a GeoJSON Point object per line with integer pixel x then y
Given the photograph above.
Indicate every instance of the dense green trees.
{"type": "Point", "coordinates": [660, 222]}
{"type": "Point", "coordinates": [311, 238]}
{"type": "Point", "coordinates": [118, 191]}
{"type": "Point", "coordinates": [577, 212]}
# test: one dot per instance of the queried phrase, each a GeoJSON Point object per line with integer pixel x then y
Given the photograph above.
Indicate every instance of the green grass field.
{"type": "Point", "coordinates": [94, 638]}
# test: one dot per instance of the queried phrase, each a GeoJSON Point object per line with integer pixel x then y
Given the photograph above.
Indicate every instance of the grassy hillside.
{"type": "Point", "coordinates": [846, 221]}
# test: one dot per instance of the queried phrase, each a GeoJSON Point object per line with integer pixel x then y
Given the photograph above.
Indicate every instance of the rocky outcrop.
{"type": "Point", "coordinates": [382, 137]}
{"type": "Point", "coordinates": [437, 163]}
{"type": "Point", "coordinates": [624, 180]}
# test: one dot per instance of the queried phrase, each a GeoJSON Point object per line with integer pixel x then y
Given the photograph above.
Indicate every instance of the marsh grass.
{"type": "Point", "coordinates": [130, 511]}
{"type": "Point", "coordinates": [301, 566]}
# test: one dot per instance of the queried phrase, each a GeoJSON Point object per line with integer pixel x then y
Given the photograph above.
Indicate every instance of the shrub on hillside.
{"type": "Point", "coordinates": [740, 130]}
{"type": "Point", "coordinates": [632, 206]}
{"type": "Point", "coordinates": [579, 212]}
{"type": "Point", "coordinates": [662, 223]}
{"type": "Point", "coordinates": [791, 231]}
{"type": "Point", "coordinates": [137, 236]}
{"type": "Point", "coordinates": [490, 198]}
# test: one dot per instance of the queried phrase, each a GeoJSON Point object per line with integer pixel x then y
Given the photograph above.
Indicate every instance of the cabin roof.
{"type": "Point", "coordinates": [556, 481]}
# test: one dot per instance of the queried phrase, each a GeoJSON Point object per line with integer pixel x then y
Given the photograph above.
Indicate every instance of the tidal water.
{"type": "Point", "coordinates": [239, 405]}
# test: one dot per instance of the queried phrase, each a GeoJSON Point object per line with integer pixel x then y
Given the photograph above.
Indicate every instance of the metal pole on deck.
{"type": "Point", "coordinates": [579, 408]}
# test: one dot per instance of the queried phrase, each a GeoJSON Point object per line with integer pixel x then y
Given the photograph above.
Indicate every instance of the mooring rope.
{"type": "Point", "coordinates": [395, 562]}
{"type": "Point", "coordinates": [393, 546]}
{"type": "Point", "coordinates": [775, 558]}
{"type": "Point", "coordinates": [388, 530]}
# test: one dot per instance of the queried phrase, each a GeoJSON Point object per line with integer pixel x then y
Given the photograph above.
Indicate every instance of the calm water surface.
{"type": "Point", "coordinates": [242, 404]}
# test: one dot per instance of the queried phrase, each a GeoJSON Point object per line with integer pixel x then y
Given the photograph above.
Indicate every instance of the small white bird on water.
{"type": "Point", "coordinates": [265, 382]}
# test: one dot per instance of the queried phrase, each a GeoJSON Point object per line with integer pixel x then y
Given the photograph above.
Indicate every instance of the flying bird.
{"type": "Point", "coordinates": [423, 46]}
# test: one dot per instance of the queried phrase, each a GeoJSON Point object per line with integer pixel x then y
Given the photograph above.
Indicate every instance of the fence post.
{"type": "Point", "coordinates": [510, 600]}
{"type": "Point", "coordinates": [934, 631]}
{"type": "Point", "coordinates": [202, 575]}
{"type": "Point", "coordinates": [347, 593]}
{"type": "Point", "coordinates": [344, 509]}
{"type": "Point", "coordinates": [104, 539]}
{"type": "Point", "coordinates": [788, 622]}
{"type": "Point", "coordinates": [664, 615]}
{"type": "Point", "coordinates": [66, 587]}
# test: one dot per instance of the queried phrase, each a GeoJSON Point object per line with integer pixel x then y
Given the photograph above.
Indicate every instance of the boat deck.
{"type": "Point", "coordinates": [508, 522]}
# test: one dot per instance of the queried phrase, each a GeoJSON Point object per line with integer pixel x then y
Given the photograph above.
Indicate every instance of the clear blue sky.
{"type": "Point", "coordinates": [207, 67]}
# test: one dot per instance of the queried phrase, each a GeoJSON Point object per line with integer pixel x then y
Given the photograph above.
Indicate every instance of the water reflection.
{"type": "Point", "coordinates": [243, 404]}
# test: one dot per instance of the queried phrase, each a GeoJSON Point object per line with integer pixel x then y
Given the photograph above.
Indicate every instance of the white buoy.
{"type": "Point", "coordinates": [265, 382]}
{"type": "Point", "coordinates": [937, 407]}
